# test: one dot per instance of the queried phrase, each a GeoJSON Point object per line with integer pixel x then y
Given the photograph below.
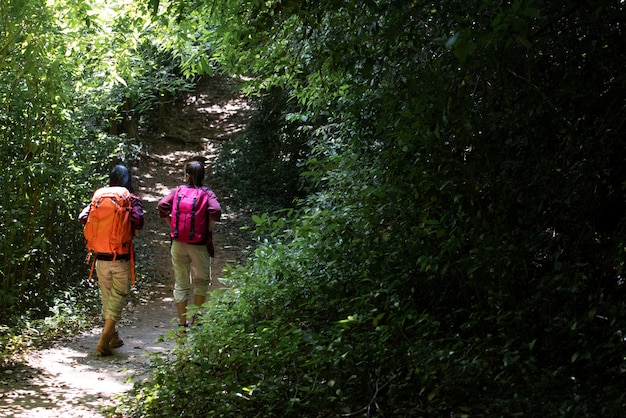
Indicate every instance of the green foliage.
{"type": "Point", "coordinates": [124, 69]}
{"type": "Point", "coordinates": [459, 248]}
{"type": "Point", "coordinates": [72, 310]}
{"type": "Point", "coordinates": [35, 222]}
{"type": "Point", "coordinates": [261, 167]}
{"type": "Point", "coordinates": [464, 251]}
{"type": "Point", "coordinates": [60, 68]}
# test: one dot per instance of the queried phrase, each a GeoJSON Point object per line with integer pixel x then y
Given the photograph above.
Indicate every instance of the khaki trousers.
{"type": "Point", "coordinates": [114, 278]}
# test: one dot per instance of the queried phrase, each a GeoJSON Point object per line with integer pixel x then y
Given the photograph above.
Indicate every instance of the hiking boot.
{"type": "Point", "coordinates": [116, 341]}
{"type": "Point", "coordinates": [103, 345]}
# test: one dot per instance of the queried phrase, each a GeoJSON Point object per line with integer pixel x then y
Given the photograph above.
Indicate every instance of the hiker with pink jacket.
{"type": "Point", "coordinates": [191, 210]}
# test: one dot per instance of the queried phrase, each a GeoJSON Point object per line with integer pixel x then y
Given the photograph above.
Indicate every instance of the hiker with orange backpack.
{"type": "Point", "coordinates": [110, 221]}
{"type": "Point", "coordinates": [190, 210]}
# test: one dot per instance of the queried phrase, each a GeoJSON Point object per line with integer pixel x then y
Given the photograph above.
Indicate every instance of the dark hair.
{"type": "Point", "coordinates": [195, 170]}
{"type": "Point", "coordinates": [120, 176]}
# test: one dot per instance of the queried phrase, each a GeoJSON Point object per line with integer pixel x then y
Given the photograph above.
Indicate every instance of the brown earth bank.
{"type": "Point", "coordinates": [69, 378]}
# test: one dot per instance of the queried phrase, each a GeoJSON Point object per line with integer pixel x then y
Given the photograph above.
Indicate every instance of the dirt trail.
{"type": "Point", "coordinates": [70, 379]}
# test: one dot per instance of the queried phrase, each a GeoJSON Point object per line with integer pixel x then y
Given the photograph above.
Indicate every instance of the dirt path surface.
{"type": "Point", "coordinates": [70, 379]}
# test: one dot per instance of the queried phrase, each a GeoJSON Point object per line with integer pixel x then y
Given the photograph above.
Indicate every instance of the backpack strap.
{"type": "Point", "coordinates": [193, 217]}
{"type": "Point", "coordinates": [132, 263]}
{"type": "Point", "coordinates": [93, 264]}
{"type": "Point", "coordinates": [177, 216]}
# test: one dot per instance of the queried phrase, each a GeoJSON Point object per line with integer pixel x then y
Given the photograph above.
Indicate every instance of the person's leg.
{"type": "Point", "coordinates": [181, 312]}
{"type": "Point", "coordinates": [114, 279]}
{"type": "Point", "coordinates": [105, 281]}
{"type": "Point", "coordinates": [105, 338]}
{"type": "Point", "coordinates": [121, 272]}
{"type": "Point", "coordinates": [182, 285]}
{"type": "Point", "coordinates": [201, 273]}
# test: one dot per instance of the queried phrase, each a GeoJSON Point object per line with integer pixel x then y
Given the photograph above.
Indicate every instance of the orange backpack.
{"type": "Point", "coordinates": [108, 229]}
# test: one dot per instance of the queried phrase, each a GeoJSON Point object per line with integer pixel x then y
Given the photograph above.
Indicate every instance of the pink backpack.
{"type": "Point", "coordinates": [189, 215]}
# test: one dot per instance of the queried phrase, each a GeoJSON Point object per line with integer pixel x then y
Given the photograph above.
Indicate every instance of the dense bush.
{"type": "Point", "coordinates": [463, 252]}
{"type": "Point", "coordinates": [460, 245]}
{"type": "Point", "coordinates": [261, 167]}
{"type": "Point", "coordinates": [66, 73]}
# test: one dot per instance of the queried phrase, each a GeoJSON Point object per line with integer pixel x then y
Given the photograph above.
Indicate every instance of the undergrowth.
{"type": "Point", "coordinates": [74, 310]}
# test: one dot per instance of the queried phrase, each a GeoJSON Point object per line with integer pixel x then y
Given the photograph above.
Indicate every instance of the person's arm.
{"type": "Point", "coordinates": [165, 208]}
{"type": "Point", "coordinates": [215, 213]}
{"type": "Point", "coordinates": [136, 214]}
{"type": "Point", "coordinates": [215, 210]}
{"type": "Point", "coordinates": [84, 214]}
